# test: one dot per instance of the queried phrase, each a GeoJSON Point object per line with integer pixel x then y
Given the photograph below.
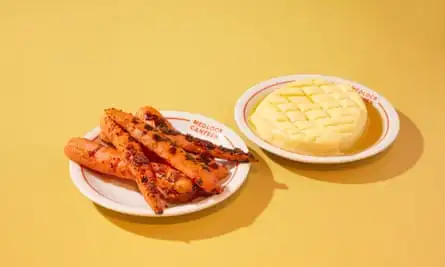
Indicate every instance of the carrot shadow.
{"type": "Point", "coordinates": [237, 212]}
{"type": "Point", "coordinates": [399, 158]}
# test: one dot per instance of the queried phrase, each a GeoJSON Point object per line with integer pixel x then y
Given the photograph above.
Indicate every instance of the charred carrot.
{"type": "Point", "coordinates": [154, 118]}
{"type": "Point", "coordinates": [174, 185]}
{"type": "Point", "coordinates": [97, 157]}
{"type": "Point", "coordinates": [156, 141]}
{"type": "Point", "coordinates": [137, 162]}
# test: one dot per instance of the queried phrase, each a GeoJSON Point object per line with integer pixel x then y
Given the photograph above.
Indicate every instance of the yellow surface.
{"type": "Point", "coordinates": [63, 62]}
{"type": "Point", "coordinates": [311, 117]}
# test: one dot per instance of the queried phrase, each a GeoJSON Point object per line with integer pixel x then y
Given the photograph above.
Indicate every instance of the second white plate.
{"type": "Point", "coordinates": [252, 96]}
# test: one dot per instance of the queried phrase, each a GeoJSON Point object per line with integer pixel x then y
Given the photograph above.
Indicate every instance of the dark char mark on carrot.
{"type": "Point", "coordinates": [189, 157]}
{"type": "Point", "coordinates": [93, 152]}
{"type": "Point", "coordinates": [172, 150]}
{"type": "Point", "coordinates": [158, 138]}
{"type": "Point", "coordinates": [213, 165]}
{"type": "Point", "coordinates": [205, 167]}
{"type": "Point", "coordinates": [189, 138]}
{"type": "Point", "coordinates": [205, 157]}
{"type": "Point", "coordinates": [169, 131]}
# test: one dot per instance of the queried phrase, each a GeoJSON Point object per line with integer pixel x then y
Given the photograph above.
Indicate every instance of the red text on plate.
{"type": "Point", "coordinates": [367, 96]}
{"type": "Point", "coordinates": [205, 129]}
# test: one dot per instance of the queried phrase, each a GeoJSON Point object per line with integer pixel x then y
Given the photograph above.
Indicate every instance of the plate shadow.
{"type": "Point", "coordinates": [397, 159]}
{"type": "Point", "coordinates": [240, 210]}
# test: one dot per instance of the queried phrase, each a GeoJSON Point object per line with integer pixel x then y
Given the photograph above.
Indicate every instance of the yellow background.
{"type": "Point", "coordinates": [63, 62]}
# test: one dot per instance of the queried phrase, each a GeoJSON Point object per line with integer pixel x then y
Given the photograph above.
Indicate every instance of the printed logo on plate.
{"type": "Point", "coordinates": [367, 96]}
{"type": "Point", "coordinates": [205, 129]}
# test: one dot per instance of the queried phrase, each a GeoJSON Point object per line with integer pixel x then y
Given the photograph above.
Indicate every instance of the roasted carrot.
{"type": "Point", "coordinates": [97, 157]}
{"type": "Point", "coordinates": [156, 141]}
{"type": "Point", "coordinates": [174, 185]}
{"type": "Point", "coordinates": [137, 162]}
{"type": "Point", "coordinates": [154, 118]}
{"type": "Point", "coordinates": [189, 143]}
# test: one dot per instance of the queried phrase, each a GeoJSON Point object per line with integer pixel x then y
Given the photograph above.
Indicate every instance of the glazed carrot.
{"type": "Point", "coordinates": [154, 118]}
{"type": "Point", "coordinates": [156, 141]}
{"type": "Point", "coordinates": [174, 185]}
{"type": "Point", "coordinates": [137, 162]}
{"type": "Point", "coordinates": [97, 157]}
{"type": "Point", "coordinates": [218, 169]}
{"type": "Point", "coordinates": [189, 143]}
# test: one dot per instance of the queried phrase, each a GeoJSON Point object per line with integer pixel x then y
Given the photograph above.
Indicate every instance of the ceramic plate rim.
{"type": "Point", "coordinates": [392, 122]}
{"type": "Point", "coordinates": [238, 179]}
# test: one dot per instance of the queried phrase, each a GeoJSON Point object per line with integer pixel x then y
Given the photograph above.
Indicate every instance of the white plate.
{"type": "Point", "coordinates": [124, 200]}
{"type": "Point", "coordinates": [250, 98]}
